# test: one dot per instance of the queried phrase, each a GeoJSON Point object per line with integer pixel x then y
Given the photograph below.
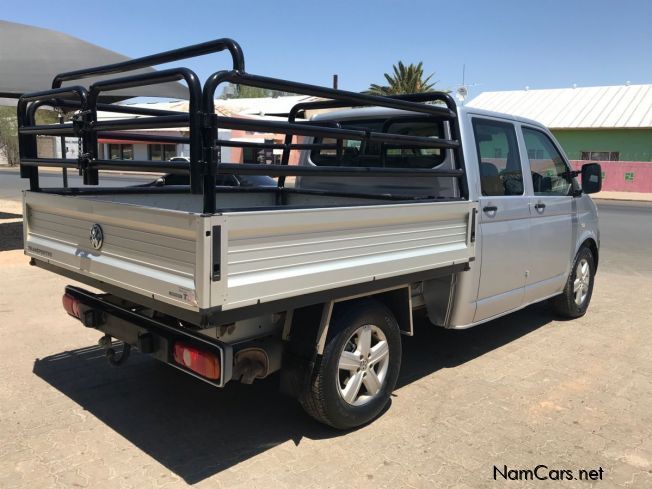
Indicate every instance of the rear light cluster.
{"type": "Point", "coordinates": [202, 362]}
{"type": "Point", "coordinates": [71, 305]}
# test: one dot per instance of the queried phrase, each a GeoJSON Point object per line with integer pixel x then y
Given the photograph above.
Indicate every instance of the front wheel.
{"type": "Point", "coordinates": [359, 368]}
{"type": "Point", "coordinates": [574, 300]}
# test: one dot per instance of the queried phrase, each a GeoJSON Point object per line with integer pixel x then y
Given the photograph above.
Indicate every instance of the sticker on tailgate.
{"type": "Point", "coordinates": [39, 251]}
{"type": "Point", "coordinates": [184, 295]}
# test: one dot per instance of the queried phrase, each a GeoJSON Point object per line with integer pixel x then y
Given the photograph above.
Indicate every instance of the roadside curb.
{"type": "Point", "coordinates": [616, 199]}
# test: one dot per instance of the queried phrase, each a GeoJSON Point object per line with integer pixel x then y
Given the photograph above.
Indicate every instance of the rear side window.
{"type": "Point", "coordinates": [498, 157]}
{"type": "Point", "coordinates": [372, 154]}
{"type": "Point", "coordinates": [550, 175]}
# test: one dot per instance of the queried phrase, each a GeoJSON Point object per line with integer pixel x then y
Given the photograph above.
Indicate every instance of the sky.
{"type": "Point", "coordinates": [504, 45]}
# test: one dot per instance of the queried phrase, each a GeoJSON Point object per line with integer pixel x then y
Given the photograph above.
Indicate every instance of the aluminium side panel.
{"type": "Point", "coordinates": [270, 255]}
{"type": "Point", "coordinates": [158, 253]}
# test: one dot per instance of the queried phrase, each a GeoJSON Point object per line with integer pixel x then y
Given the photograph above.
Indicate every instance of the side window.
{"type": "Point", "coordinates": [549, 171]}
{"type": "Point", "coordinates": [370, 154]}
{"type": "Point", "coordinates": [500, 163]}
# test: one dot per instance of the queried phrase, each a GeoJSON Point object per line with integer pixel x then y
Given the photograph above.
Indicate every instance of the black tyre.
{"type": "Point", "coordinates": [358, 370]}
{"type": "Point", "coordinates": [574, 300]}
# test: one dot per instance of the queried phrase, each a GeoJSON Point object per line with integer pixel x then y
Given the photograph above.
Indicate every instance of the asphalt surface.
{"type": "Point", "coordinates": [626, 236]}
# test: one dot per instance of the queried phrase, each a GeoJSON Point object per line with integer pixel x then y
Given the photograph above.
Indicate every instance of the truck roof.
{"type": "Point", "coordinates": [380, 112]}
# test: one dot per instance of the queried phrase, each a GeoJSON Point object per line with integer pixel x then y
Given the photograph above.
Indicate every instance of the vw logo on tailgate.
{"type": "Point", "coordinates": [97, 236]}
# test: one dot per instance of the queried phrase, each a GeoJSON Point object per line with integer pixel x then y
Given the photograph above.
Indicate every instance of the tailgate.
{"type": "Point", "coordinates": [149, 251]}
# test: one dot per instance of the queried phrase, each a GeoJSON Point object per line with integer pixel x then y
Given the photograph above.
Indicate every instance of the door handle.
{"type": "Point", "coordinates": [539, 206]}
{"type": "Point", "coordinates": [489, 208]}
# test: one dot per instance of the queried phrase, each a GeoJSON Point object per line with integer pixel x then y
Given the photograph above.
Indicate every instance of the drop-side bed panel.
{"type": "Point", "coordinates": [278, 254]}
{"type": "Point", "coordinates": [265, 255]}
{"type": "Point", "coordinates": [153, 252]}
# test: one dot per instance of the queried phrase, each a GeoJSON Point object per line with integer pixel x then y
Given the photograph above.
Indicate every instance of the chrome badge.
{"type": "Point", "coordinates": [97, 236]}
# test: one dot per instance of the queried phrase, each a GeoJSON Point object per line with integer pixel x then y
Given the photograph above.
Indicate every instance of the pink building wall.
{"type": "Point", "coordinates": [623, 176]}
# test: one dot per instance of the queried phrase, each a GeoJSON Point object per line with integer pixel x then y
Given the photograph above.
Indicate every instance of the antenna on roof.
{"type": "Point", "coordinates": [462, 92]}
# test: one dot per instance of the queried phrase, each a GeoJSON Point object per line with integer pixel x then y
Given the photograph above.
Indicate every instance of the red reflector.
{"type": "Point", "coordinates": [204, 363]}
{"type": "Point", "coordinates": [71, 305]}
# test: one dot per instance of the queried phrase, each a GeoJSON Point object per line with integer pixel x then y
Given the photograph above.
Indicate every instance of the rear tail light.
{"type": "Point", "coordinates": [71, 305]}
{"type": "Point", "coordinates": [202, 362]}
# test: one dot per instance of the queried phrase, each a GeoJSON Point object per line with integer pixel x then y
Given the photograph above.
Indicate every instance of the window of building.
{"type": "Point", "coordinates": [500, 163]}
{"type": "Point", "coordinates": [252, 155]}
{"type": "Point", "coordinates": [600, 155]}
{"type": "Point", "coordinates": [121, 151]}
{"type": "Point", "coordinates": [550, 175]}
{"type": "Point", "coordinates": [161, 152]}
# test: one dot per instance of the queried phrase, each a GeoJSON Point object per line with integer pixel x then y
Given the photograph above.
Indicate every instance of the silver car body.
{"type": "Point", "coordinates": [161, 246]}
{"type": "Point", "coordinates": [523, 254]}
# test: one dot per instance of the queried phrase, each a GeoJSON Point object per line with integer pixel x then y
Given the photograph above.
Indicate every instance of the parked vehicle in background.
{"type": "Point", "coordinates": [221, 180]}
{"type": "Point", "coordinates": [403, 203]}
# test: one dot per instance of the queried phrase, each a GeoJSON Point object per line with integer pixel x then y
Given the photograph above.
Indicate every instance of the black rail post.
{"type": "Point", "coordinates": [210, 133]}
{"type": "Point", "coordinates": [62, 140]}
{"type": "Point", "coordinates": [27, 141]}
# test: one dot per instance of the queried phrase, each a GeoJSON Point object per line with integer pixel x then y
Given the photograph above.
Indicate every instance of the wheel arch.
{"type": "Point", "coordinates": [307, 329]}
{"type": "Point", "coordinates": [591, 244]}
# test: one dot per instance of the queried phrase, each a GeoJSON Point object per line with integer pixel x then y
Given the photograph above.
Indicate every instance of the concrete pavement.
{"type": "Point", "coordinates": [631, 196]}
{"type": "Point", "coordinates": [521, 391]}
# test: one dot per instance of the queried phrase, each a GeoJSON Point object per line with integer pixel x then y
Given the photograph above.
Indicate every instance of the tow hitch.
{"type": "Point", "coordinates": [111, 355]}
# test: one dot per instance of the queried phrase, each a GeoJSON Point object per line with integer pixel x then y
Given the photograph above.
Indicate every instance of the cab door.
{"type": "Point", "coordinates": [504, 218]}
{"type": "Point", "coordinates": [551, 215]}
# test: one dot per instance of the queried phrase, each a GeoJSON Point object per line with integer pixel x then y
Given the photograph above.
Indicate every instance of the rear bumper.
{"type": "Point", "coordinates": [147, 334]}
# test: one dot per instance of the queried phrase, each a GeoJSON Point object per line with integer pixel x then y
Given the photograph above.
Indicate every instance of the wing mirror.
{"type": "Point", "coordinates": [591, 178]}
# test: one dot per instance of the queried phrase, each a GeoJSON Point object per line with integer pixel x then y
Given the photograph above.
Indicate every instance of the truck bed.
{"type": "Point", "coordinates": [258, 248]}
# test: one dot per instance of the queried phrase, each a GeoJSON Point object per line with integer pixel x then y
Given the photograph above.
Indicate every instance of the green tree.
{"type": "Point", "coordinates": [9, 135]}
{"type": "Point", "coordinates": [9, 131]}
{"type": "Point", "coordinates": [243, 91]}
{"type": "Point", "coordinates": [405, 79]}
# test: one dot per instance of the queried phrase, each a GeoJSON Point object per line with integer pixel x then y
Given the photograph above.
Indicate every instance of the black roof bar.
{"type": "Point", "coordinates": [246, 168]}
{"type": "Point", "coordinates": [331, 132]}
{"type": "Point", "coordinates": [279, 170]}
{"type": "Point", "coordinates": [156, 122]}
{"type": "Point", "coordinates": [252, 144]}
{"type": "Point", "coordinates": [156, 59]}
{"type": "Point", "coordinates": [315, 90]}
{"type": "Point", "coordinates": [73, 104]}
{"type": "Point", "coordinates": [132, 136]}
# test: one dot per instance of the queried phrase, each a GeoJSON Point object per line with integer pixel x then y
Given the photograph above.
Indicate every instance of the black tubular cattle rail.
{"type": "Point", "coordinates": [203, 124]}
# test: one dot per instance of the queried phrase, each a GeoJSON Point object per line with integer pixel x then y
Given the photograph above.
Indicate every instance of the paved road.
{"type": "Point", "coordinates": [626, 236]}
{"type": "Point", "coordinates": [11, 184]}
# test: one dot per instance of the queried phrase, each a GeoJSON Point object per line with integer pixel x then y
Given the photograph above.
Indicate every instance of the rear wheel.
{"type": "Point", "coordinates": [359, 367]}
{"type": "Point", "coordinates": [574, 300]}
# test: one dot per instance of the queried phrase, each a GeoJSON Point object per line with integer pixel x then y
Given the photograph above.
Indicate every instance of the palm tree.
{"type": "Point", "coordinates": [406, 79]}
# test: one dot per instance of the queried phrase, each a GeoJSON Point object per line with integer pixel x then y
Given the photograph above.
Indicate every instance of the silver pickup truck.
{"type": "Point", "coordinates": [395, 204]}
